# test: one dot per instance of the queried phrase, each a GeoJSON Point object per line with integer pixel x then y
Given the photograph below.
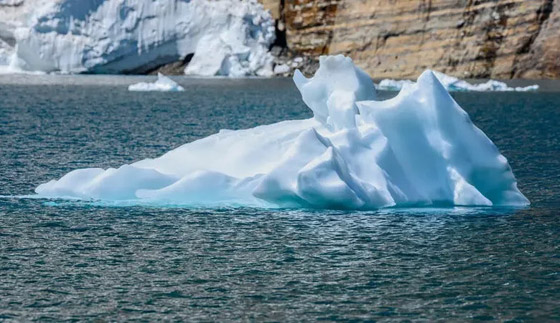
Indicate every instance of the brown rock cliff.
{"type": "Point", "coordinates": [400, 38]}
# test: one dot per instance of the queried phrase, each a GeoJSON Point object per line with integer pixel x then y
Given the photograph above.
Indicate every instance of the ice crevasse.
{"type": "Point", "coordinates": [416, 149]}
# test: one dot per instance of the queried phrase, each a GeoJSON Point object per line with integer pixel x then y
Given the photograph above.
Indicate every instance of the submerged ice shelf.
{"type": "Point", "coordinates": [416, 149]}
{"type": "Point", "coordinates": [454, 84]}
{"type": "Point", "coordinates": [162, 84]}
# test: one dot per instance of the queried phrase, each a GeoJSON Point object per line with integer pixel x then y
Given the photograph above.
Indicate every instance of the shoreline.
{"type": "Point", "coordinates": [545, 85]}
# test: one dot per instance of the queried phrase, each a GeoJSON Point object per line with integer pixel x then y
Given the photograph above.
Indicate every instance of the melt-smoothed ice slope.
{"type": "Point", "coordinates": [227, 37]}
{"type": "Point", "coordinates": [417, 149]}
{"type": "Point", "coordinates": [454, 84]}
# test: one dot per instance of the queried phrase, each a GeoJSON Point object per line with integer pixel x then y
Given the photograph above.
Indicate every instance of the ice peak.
{"type": "Point", "coordinates": [428, 80]}
{"type": "Point", "coordinates": [333, 91]}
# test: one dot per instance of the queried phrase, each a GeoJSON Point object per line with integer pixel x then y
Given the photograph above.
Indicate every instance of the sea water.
{"type": "Point", "coordinates": [76, 260]}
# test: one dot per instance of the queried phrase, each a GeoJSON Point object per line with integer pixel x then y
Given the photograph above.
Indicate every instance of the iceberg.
{"type": "Point", "coordinates": [454, 84]}
{"type": "Point", "coordinates": [163, 84]}
{"type": "Point", "coordinates": [356, 152]}
{"type": "Point", "coordinates": [221, 37]}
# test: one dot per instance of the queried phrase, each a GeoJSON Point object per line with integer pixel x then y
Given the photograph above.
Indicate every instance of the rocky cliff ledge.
{"type": "Point", "coordinates": [400, 38]}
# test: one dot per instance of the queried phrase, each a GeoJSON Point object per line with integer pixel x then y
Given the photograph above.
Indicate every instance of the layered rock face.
{"type": "Point", "coordinates": [401, 38]}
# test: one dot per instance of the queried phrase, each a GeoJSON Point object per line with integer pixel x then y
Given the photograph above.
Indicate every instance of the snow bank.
{"type": "Point", "coordinates": [454, 84]}
{"type": "Point", "coordinates": [417, 149]}
{"type": "Point", "coordinates": [227, 37]}
{"type": "Point", "coordinates": [163, 84]}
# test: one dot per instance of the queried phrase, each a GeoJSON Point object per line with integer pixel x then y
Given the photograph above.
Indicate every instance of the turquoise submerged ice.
{"type": "Point", "coordinates": [417, 149]}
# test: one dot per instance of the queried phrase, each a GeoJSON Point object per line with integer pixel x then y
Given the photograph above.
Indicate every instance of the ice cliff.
{"type": "Point", "coordinates": [417, 149]}
{"type": "Point", "coordinates": [227, 37]}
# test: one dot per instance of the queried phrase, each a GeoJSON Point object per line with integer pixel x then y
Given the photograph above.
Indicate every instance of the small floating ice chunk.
{"type": "Point", "coordinates": [454, 84]}
{"type": "Point", "coordinates": [393, 85]}
{"type": "Point", "coordinates": [163, 84]}
{"type": "Point", "coordinates": [416, 149]}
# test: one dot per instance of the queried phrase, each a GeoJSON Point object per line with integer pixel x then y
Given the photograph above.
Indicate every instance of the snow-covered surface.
{"type": "Point", "coordinates": [162, 84]}
{"type": "Point", "coordinates": [417, 149]}
{"type": "Point", "coordinates": [227, 37]}
{"type": "Point", "coordinates": [454, 84]}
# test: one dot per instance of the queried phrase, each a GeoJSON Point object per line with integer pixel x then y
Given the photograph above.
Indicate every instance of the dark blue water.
{"type": "Point", "coordinates": [75, 261]}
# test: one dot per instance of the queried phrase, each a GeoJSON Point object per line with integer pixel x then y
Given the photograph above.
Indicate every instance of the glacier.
{"type": "Point", "coordinates": [417, 149]}
{"type": "Point", "coordinates": [224, 37]}
{"type": "Point", "coordinates": [454, 84]}
{"type": "Point", "coordinates": [162, 84]}
{"type": "Point", "coordinates": [14, 14]}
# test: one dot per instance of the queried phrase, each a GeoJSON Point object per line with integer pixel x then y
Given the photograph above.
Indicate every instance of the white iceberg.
{"type": "Point", "coordinates": [163, 84]}
{"type": "Point", "coordinates": [417, 149]}
{"type": "Point", "coordinates": [451, 83]}
{"type": "Point", "coordinates": [226, 37]}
